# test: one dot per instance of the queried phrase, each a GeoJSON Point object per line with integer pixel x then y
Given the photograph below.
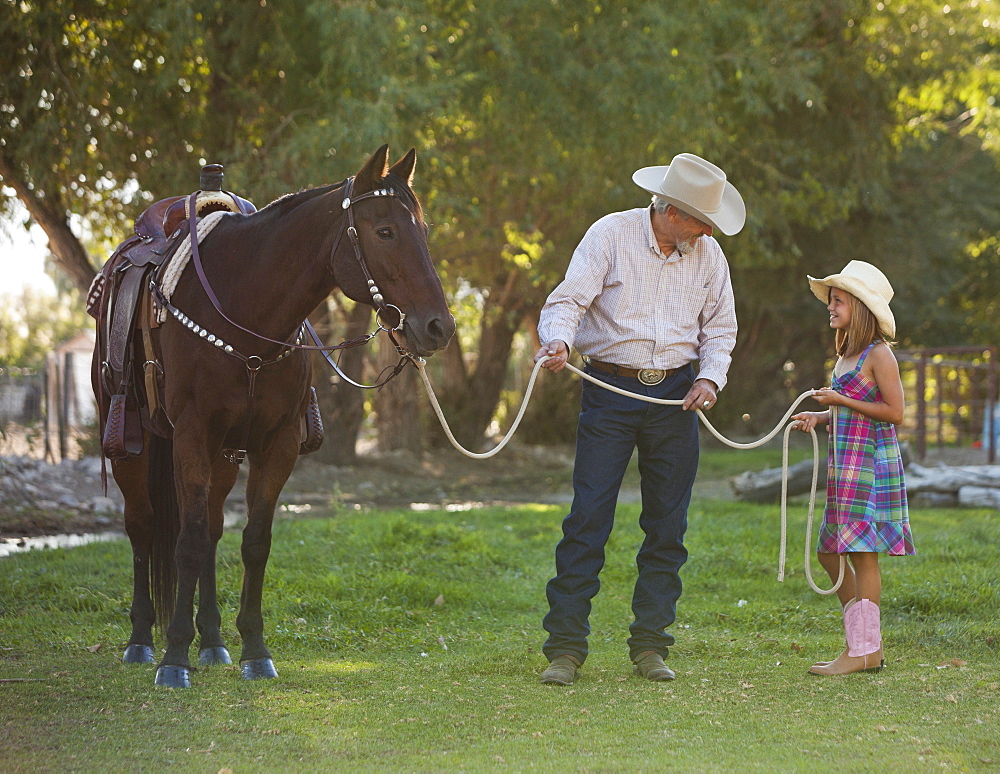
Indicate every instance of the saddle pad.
{"type": "Point", "coordinates": [172, 270]}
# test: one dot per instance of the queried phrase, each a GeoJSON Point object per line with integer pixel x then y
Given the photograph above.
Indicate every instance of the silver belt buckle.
{"type": "Point", "coordinates": [652, 376]}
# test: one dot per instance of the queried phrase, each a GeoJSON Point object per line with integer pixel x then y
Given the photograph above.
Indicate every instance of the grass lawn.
{"type": "Point", "coordinates": [411, 642]}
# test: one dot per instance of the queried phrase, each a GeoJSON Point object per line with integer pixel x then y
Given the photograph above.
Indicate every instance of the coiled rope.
{"type": "Point", "coordinates": [420, 363]}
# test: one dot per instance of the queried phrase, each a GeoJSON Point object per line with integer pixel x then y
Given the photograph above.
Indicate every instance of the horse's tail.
{"type": "Point", "coordinates": [165, 528]}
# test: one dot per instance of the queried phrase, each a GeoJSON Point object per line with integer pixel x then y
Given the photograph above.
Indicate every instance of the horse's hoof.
{"type": "Point", "coordinates": [258, 669]}
{"type": "Point", "coordinates": [139, 654]}
{"type": "Point", "coordinates": [173, 676]}
{"type": "Point", "coordinates": [214, 656]}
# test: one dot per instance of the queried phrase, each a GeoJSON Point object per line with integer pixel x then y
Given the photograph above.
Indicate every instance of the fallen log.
{"type": "Point", "coordinates": [932, 499]}
{"type": "Point", "coordinates": [951, 479]}
{"type": "Point", "coordinates": [979, 497]}
{"type": "Point", "coordinates": [765, 486]}
{"type": "Point", "coordinates": [925, 486]}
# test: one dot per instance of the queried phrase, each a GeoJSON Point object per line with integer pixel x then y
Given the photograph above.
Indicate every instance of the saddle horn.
{"type": "Point", "coordinates": [211, 177]}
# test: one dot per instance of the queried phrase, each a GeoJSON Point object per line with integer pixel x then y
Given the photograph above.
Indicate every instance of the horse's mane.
{"type": "Point", "coordinates": [289, 201]}
{"type": "Point", "coordinates": [283, 204]}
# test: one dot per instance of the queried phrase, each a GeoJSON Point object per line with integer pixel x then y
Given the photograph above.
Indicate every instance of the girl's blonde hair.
{"type": "Point", "coordinates": [862, 331]}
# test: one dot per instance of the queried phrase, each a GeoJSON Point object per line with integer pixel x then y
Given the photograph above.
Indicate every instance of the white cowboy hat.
{"type": "Point", "coordinates": [866, 283]}
{"type": "Point", "coordinates": [699, 188]}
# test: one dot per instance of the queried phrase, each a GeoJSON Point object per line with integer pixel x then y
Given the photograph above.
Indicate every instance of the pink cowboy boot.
{"type": "Point", "coordinates": [864, 642]}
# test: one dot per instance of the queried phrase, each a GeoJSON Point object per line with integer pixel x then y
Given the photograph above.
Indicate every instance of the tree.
{"type": "Point", "coordinates": [59, 89]}
{"type": "Point", "coordinates": [844, 124]}
{"type": "Point", "coordinates": [107, 105]}
{"type": "Point", "coordinates": [165, 87]}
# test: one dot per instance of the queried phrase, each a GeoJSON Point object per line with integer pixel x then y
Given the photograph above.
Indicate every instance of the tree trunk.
{"type": "Point", "coordinates": [979, 497]}
{"type": "Point", "coordinates": [341, 404]}
{"type": "Point", "coordinates": [397, 411]}
{"type": "Point", "coordinates": [774, 361]}
{"type": "Point", "coordinates": [470, 398]}
{"type": "Point", "coordinates": [53, 219]}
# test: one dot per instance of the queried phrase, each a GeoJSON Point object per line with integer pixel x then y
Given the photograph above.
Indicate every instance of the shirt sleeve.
{"type": "Point", "coordinates": [718, 327]}
{"type": "Point", "coordinates": [567, 304]}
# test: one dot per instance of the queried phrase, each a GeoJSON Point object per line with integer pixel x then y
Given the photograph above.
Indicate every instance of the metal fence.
{"type": "Point", "coordinates": [22, 391]}
{"type": "Point", "coordinates": [952, 399]}
{"type": "Point", "coordinates": [47, 412]}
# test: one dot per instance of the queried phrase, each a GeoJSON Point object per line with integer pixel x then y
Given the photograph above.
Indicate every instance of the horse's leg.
{"type": "Point", "coordinates": [131, 476]}
{"type": "Point", "coordinates": [193, 553]}
{"type": "Point", "coordinates": [269, 471]}
{"type": "Point", "coordinates": [213, 649]}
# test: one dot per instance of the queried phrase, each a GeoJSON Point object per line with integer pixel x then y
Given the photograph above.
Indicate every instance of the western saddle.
{"type": "Point", "coordinates": [121, 300]}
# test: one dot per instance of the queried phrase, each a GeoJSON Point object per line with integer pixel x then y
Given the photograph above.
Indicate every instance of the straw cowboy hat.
{"type": "Point", "coordinates": [867, 284]}
{"type": "Point", "coordinates": [699, 188]}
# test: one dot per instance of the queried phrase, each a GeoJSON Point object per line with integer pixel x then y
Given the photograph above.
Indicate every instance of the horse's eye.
{"type": "Point", "coordinates": [384, 233]}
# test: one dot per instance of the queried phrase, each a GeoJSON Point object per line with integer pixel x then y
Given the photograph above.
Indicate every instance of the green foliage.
{"type": "Point", "coordinates": [66, 73]}
{"type": "Point", "coordinates": [411, 642]}
{"type": "Point", "coordinates": [853, 130]}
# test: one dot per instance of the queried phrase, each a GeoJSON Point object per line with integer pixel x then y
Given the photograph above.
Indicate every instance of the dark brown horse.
{"type": "Point", "coordinates": [233, 379]}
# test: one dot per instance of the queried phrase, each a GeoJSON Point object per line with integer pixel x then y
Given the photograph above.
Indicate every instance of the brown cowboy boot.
{"type": "Point", "coordinates": [650, 665]}
{"type": "Point", "coordinates": [561, 670]}
{"type": "Point", "coordinates": [843, 609]}
{"type": "Point", "coordinates": [864, 642]}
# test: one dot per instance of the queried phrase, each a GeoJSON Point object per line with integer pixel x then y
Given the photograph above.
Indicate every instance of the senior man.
{"type": "Point", "coordinates": [647, 293]}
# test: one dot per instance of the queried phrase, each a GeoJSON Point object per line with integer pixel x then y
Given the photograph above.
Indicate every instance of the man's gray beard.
{"type": "Point", "coordinates": [686, 247]}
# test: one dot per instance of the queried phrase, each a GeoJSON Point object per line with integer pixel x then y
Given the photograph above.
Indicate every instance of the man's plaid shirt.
{"type": "Point", "coordinates": [624, 302]}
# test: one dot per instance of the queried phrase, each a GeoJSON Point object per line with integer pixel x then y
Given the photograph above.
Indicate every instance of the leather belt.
{"type": "Point", "coordinates": [645, 375]}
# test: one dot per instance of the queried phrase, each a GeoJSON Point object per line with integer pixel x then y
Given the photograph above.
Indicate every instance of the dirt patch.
{"type": "Point", "coordinates": [43, 499]}
{"type": "Point", "coordinates": [519, 474]}
{"type": "Point", "coordinates": [37, 498]}
{"type": "Point", "coordinates": [35, 522]}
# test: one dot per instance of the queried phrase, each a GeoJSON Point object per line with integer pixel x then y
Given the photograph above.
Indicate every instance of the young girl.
{"type": "Point", "coordinates": [866, 512]}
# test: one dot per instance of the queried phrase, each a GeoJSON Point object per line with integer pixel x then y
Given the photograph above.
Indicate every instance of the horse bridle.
{"type": "Point", "coordinates": [351, 230]}
{"type": "Point", "coordinates": [352, 233]}
{"type": "Point", "coordinates": [378, 299]}
{"type": "Point", "coordinates": [254, 362]}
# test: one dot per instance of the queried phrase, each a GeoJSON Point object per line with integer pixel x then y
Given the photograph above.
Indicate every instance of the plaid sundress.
{"type": "Point", "coordinates": [866, 507]}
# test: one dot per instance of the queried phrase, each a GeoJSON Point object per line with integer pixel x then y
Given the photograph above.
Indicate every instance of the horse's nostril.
{"type": "Point", "coordinates": [441, 331]}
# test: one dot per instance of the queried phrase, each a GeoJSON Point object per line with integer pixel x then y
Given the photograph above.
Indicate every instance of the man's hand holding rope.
{"type": "Point", "coordinates": [702, 395]}
{"type": "Point", "coordinates": [557, 353]}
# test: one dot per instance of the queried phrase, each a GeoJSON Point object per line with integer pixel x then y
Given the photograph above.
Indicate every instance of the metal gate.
{"type": "Point", "coordinates": [952, 398]}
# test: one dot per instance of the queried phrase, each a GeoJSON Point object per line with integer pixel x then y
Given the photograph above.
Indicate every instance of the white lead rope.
{"type": "Point", "coordinates": [420, 363]}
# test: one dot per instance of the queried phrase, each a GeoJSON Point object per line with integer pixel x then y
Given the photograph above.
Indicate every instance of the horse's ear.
{"type": "Point", "coordinates": [373, 171]}
{"type": "Point", "coordinates": [405, 166]}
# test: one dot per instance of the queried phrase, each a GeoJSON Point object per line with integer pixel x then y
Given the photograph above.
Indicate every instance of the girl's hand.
{"type": "Point", "coordinates": [805, 421]}
{"type": "Point", "coordinates": [827, 396]}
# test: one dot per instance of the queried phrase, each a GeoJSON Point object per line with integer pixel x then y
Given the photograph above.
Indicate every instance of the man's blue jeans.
{"type": "Point", "coordinates": [611, 427]}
